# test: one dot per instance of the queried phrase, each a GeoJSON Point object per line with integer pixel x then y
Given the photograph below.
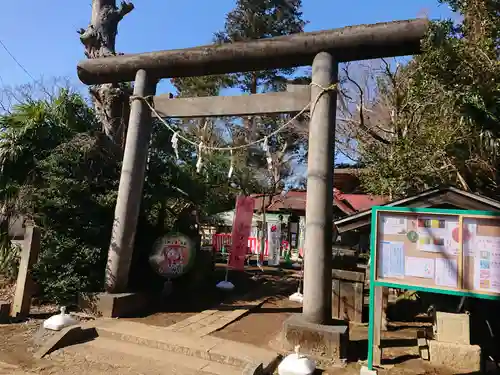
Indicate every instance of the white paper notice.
{"type": "Point", "coordinates": [419, 267]}
{"type": "Point", "coordinates": [391, 259]}
{"type": "Point", "coordinates": [487, 264]}
{"type": "Point", "coordinates": [435, 234]}
{"type": "Point", "coordinates": [393, 224]}
{"type": "Point", "coordinates": [446, 272]}
{"type": "Point", "coordinates": [469, 237]}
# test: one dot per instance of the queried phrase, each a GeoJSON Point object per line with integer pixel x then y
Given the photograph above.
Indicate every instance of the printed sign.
{"type": "Point", "coordinates": [273, 238]}
{"type": "Point", "coordinates": [173, 255]}
{"type": "Point", "coordinates": [302, 235]}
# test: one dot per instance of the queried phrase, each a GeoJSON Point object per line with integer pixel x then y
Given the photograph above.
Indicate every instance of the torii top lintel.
{"type": "Point", "coordinates": [361, 42]}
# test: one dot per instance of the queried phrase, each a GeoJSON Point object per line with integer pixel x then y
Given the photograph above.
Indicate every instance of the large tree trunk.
{"type": "Point", "coordinates": [111, 101]}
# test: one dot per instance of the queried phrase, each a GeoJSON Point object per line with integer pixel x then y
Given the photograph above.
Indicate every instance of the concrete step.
{"type": "Point", "coordinates": [207, 348]}
{"type": "Point", "coordinates": [135, 359]}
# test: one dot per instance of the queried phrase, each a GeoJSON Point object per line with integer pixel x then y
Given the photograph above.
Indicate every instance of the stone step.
{"type": "Point", "coordinates": [206, 348]}
{"type": "Point", "coordinates": [137, 359]}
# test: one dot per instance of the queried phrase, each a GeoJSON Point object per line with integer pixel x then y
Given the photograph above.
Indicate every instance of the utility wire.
{"type": "Point", "coordinates": [16, 60]}
{"type": "Point", "coordinates": [18, 63]}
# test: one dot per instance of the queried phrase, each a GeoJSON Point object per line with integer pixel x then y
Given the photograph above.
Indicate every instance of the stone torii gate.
{"type": "Point", "coordinates": [323, 49]}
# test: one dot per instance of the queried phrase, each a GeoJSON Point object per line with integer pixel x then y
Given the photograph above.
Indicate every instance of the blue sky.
{"type": "Point", "coordinates": [42, 34]}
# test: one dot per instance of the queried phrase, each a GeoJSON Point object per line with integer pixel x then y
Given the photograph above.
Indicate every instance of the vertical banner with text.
{"type": "Point", "coordinates": [242, 227]}
{"type": "Point", "coordinates": [274, 240]}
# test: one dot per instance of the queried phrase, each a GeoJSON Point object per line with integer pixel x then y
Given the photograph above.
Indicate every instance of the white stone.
{"type": "Point", "coordinates": [59, 321]}
{"type": "Point", "coordinates": [296, 364]}
{"type": "Point", "coordinates": [296, 297]}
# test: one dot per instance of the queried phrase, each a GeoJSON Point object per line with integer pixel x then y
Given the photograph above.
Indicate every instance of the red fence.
{"type": "Point", "coordinates": [224, 239]}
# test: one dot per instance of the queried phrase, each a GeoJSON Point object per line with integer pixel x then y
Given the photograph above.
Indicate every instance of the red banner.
{"type": "Point", "coordinates": [242, 227]}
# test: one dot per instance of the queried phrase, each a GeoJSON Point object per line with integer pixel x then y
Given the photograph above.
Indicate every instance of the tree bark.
{"type": "Point", "coordinates": [111, 101]}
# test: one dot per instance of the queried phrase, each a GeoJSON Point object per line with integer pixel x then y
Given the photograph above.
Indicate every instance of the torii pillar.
{"type": "Point", "coordinates": [313, 329]}
{"type": "Point", "coordinates": [317, 305]}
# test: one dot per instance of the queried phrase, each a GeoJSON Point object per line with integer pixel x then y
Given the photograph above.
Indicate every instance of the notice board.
{"type": "Point", "coordinates": [446, 251]}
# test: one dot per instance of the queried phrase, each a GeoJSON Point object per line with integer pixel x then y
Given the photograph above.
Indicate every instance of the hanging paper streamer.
{"type": "Point", "coordinates": [175, 145]}
{"type": "Point", "coordinates": [199, 163]}
{"type": "Point", "coordinates": [269, 162]}
{"type": "Point", "coordinates": [265, 146]}
{"type": "Point", "coordinates": [230, 173]}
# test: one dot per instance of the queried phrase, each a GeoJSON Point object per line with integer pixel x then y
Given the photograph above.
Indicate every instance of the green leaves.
{"type": "Point", "coordinates": [446, 103]}
{"type": "Point", "coordinates": [9, 259]}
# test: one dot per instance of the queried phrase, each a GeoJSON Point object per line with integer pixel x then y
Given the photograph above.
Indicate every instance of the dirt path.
{"type": "Point", "coordinates": [262, 326]}
{"type": "Point", "coordinates": [180, 306]}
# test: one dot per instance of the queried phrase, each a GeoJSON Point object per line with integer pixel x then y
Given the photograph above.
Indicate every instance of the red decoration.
{"type": "Point", "coordinates": [465, 235]}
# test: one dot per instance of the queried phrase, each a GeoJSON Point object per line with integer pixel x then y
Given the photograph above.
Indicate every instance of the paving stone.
{"type": "Point", "coordinates": [193, 327]}
{"type": "Point", "coordinates": [208, 348]}
{"type": "Point", "coordinates": [212, 319]}
{"type": "Point", "coordinates": [205, 331]}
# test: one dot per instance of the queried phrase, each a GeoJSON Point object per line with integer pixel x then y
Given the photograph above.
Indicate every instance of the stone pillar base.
{"type": "Point", "coordinates": [327, 344]}
{"type": "Point", "coordinates": [119, 305]}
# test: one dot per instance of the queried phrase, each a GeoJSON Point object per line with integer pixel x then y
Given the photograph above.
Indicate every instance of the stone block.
{"type": "Point", "coordinates": [453, 328]}
{"type": "Point", "coordinates": [25, 286]}
{"type": "Point", "coordinates": [117, 305]}
{"type": "Point", "coordinates": [365, 371]}
{"type": "Point", "coordinates": [323, 341]}
{"type": "Point", "coordinates": [423, 346]}
{"type": "Point", "coordinates": [66, 337]}
{"type": "Point", "coordinates": [457, 357]}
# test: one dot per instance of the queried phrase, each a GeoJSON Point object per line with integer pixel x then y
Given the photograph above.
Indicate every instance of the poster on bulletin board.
{"type": "Point", "coordinates": [447, 251]}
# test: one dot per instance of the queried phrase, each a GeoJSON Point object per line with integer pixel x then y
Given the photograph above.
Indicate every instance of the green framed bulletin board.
{"type": "Point", "coordinates": [454, 252]}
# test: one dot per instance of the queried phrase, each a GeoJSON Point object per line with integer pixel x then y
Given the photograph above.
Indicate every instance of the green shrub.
{"type": "Point", "coordinates": [68, 266]}
{"type": "Point", "coordinates": [9, 259]}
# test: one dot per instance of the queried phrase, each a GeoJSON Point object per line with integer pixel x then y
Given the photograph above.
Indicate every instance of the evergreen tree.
{"type": "Point", "coordinates": [257, 19]}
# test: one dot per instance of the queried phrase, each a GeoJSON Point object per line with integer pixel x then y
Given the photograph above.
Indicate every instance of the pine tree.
{"type": "Point", "coordinates": [257, 19]}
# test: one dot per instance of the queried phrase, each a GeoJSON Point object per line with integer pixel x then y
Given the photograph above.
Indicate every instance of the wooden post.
{"type": "Point", "coordinates": [25, 286]}
{"type": "Point", "coordinates": [131, 185]}
{"type": "Point", "coordinates": [385, 304]}
{"type": "Point", "coordinates": [460, 255]}
{"type": "Point", "coordinates": [375, 328]}
{"type": "Point", "coordinates": [317, 306]}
